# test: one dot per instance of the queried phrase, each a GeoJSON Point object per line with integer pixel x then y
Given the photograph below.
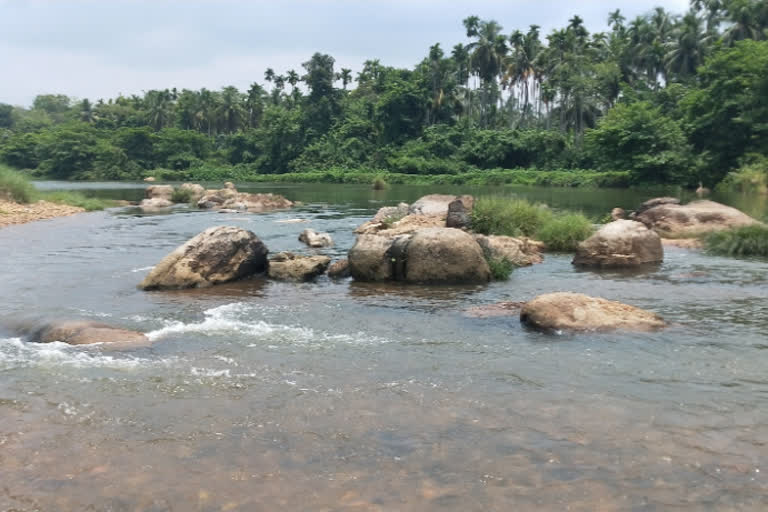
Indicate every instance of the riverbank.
{"type": "Point", "coordinates": [14, 213]}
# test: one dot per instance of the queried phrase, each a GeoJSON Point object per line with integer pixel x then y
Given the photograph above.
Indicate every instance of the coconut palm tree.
{"type": "Point", "coordinates": [688, 48]}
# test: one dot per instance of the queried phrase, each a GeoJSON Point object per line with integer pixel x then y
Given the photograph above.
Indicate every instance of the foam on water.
{"type": "Point", "coordinates": [16, 353]}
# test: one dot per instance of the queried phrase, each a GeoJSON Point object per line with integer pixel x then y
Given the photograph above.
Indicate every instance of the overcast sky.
{"type": "Point", "coordinates": [101, 48]}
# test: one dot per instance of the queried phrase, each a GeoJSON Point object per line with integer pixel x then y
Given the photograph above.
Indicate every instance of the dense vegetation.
{"type": "Point", "coordinates": [744, 241]}
{"type": "Point", "coordinates": [16, 187]}
{"type": "Point", "coordinates": [662, 98]}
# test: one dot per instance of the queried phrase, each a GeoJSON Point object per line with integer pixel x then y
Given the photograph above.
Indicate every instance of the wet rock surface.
{"type": "Point", "coordinates": [622, 243]}
{"type": "Point", "coordinates": [286, 266]}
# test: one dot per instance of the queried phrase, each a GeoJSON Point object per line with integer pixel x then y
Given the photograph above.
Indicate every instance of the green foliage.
{"type": "Point", "coordinates": [727, 115]}
{"type": "Point", "coordinates": [640, 139]}
{"type": "Point", "coordinates": [749, 178]}
{"type": "Point", "coordinates": [563, 233]}
{"type": "Point", "coordinates": [15, 186]}
{"type": "Point", "coordinates": [501, 268]}
{"type": "Point", "coordinates": [744, 241]}
{"type": "Point", "coordinates": [509, 217]}
{"type": "Point", "coordinates": [89, 204]}
{"type": "Point", "coordinates": [181, 195]}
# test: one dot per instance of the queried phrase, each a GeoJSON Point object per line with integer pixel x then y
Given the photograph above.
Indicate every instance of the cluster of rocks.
{"type": "Point", "coordinates": [227, 199]}
{"type": "Point", "coordinates": [426, 242]}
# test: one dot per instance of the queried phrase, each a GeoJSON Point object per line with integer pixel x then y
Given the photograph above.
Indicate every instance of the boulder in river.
{"type": "Point", "coordinates": [653, 203]}
{"type": "Point", "coordinates": [698, 217]}
{"type": "Point", "coordinates": [437, 204]}
{"type": "Point", "coordinates": [286, 266]}
{"type": "Point", "coordinates": [622, 243]}
{"type": "Point", "coordinates": [458, 215]}
{"type": "Point", "coordinates": [217, 255]}
{"type": "Point", "coordinates": [229, 198]}
{"type": "Point", "coordinates": [429, 255]}
{"type": "Point", "coordinates": [314, 239]}
{"type": "Point", "coordinates": [339, 269]}
{"type": "Point", "coordinates": [159, 191]}
{"type": "Point", "coordinates": [82, 332]}
{"type": "Point", "coordinates": [154, 204]}
{"type": "Point", "coordinates": [578, 312]}
{"type": "Point", "coordinates": [521, 252]}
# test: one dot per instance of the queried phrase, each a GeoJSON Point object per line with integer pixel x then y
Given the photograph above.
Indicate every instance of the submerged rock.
{"type": "Point", "coordinates": [429, 255]}
{"type": "Point", "coordinates": [695, 218]}
{"type": "Point", "coordinates": [286, 266]}
{"type": "Point", "coordinates": [622, 243]}
{"type": "Point", "coordinates": [82, 332]}
{"type": "Point", "coordinates": [217, 255]}
{"type": "Point", "coordinates": [314, 239]}
{"type": "Point", "coordinates": [159, 191]}
{"type": "Point", "coordinates": [339, 269]}
{"type": "Point", "coordinates": [521, 252]}
{"type": "Point", "coordinates": [578, 312]}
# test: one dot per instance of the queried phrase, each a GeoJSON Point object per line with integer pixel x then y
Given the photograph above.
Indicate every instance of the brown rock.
{"type": "Point", "coordinates": [437, 204]}
{"type": "Point", "coordinates": [217, 255]}
{"type": "Point", "coordinates": [618, 214]}
{"type": "Point", "coordinates": [656, 201]}
{"type": "Point", "coordinates": [577, 312]}
{"type": "Point", "coordinates": [622, 243]}
{"type": "Point", "coordinates": [521, 252]}
{"type": "Point", "coordinates": [159, 192]}
{"type": "Point", "coordinates": [286, 266]}
{"type": "Point", "coordinates": [86, 332]}
{"type": "Point", "coordinates": [368, 258]}
{"type": "Point", "coordinates": [458, 215]}
{"type": "Point", "coordinates": [314, 239]}
{"type": "Point", "coordinates": [156, 203]}
{"type": "Point", "coordinates": [339, 269]}
{"type": "Point", "coordinates": [692, 219]}
{"type": "Point", "coordinates": [444, 255]}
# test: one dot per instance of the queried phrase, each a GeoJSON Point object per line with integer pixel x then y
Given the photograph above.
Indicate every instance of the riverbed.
{"type": "Point", "coordinates": [337, 395]}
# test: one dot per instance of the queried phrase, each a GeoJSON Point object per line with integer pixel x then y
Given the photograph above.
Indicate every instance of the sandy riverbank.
{"type": "Point", "coordinates": [15, 213]}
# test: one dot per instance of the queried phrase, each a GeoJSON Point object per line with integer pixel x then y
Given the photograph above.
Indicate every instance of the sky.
{"type": "Point", "coordinates": [102, 48]}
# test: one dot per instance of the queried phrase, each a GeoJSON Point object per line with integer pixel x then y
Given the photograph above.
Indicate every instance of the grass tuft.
{"type": "Point", "coordinates": [89, 204]}
{"type": "Point", "coordinates": [501, 268]}
{"type": "Point", "coordinates": [181, 195]}
{"type": "Point", "coordinates": [15, 186]}
{"type": "Point", "coordinates": [744, 241]}
{"type": "Point", "coordinates": [509, 217]}
{"type": "Point", "coordinates": [563, 233]}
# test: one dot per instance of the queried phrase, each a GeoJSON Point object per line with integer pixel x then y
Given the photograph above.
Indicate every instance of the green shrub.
{"type": "Point", "coordinates": [564, 232]}
{"type": "Point", "coordinates": [510, 217]}
{"type": "Point", "coordinates": [501, 268]}
{"type": "Point", "coordinates": [744, 241]}
{"type": "Point", "coordinates": [89, 204]}
{"type": "Point", "coordinates": [749, 178]}
{"type": "Point", "coordinates": [181, 195]}
{"type": "Point", "coordinates": [15, 186]}
{"type": "Point", "coordinates": [379, 183]}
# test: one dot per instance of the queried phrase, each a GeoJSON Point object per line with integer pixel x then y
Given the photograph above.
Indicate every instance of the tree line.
{"type": "Point", "coordinates": [668, 98]}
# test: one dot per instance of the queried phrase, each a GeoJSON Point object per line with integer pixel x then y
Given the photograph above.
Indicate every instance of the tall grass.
{"type": "Point", "coordinates": [509, 217]}
{"type": "Point", "coordinates": [501, 268]}
{"type": "Point", "coordinates": [15, 186]}
{"type": "Point", "coordinates": [89, 204]}
{"type": "Point", "coordinates": [563, 233]}
{"type": "Point", "coordinates": [744, 241]}
{"type": "Point", "coordinates": [751, 178]}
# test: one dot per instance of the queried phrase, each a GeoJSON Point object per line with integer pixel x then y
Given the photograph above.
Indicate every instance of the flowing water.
{"type": "Point", "coordinates": [345, 396]}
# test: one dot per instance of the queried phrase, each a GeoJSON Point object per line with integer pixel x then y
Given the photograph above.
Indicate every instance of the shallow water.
{"type": "Point", "coordinates": [343, 396]}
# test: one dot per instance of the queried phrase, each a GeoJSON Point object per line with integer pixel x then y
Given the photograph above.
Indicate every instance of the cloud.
{"type": "Point", "coordinates": [90, 48]}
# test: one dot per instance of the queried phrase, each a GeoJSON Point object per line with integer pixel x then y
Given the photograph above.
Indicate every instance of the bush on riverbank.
{"type": "Point", "coordinates": [501, 268]}
{"type": "Point", "coordinates": [744, 241]}
{"type": "Point", "coordinates": [15, 186]}
{"type": "Point", "coordinates": [750, 178]}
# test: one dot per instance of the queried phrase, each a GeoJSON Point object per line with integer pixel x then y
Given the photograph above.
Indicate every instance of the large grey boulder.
{"type": "Point", "coordinates": [578, 312]}
{"type": "Point", "coordinates": [83, 332]}
{"type": "Point", "coordinates": [698, 217]}
{"type": "Point", "coordinates": [429, 255]}
{"type": "Point", "coordinates": [622, 243]}
{"type": "Point", "coordinates": [286, 266]}
{"type": "Point", "coordinates": [217, 255]}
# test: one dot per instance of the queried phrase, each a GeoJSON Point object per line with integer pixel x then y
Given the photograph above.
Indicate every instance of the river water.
{"type": "Point", "coordinates": [343, 396]}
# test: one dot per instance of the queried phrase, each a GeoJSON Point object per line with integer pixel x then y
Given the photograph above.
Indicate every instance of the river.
{"type": "Point", "coordinates": [346, 396]}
